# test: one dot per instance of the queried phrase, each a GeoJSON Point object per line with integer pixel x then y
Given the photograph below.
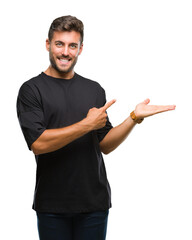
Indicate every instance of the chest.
{"type": "Point", "coordinates": [66, 104]}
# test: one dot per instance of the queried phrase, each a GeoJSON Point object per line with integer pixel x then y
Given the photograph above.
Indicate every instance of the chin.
{"type": "Point", "coordinates": [64, 70]}
{"type": "Point", "coordinates": [61, 70]}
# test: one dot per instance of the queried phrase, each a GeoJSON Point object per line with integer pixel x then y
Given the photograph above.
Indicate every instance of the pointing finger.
{"type": "Point", "coordinates": [108, 104]}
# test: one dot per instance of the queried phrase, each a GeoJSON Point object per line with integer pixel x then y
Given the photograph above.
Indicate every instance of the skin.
{"type": "Point", "coordinates": [63, 46]}
{"type": "Point", "coordinates": [67, 46]}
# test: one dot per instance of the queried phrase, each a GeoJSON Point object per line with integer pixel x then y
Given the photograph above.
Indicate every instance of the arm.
{"type": "Point", "coordinates": [118, 134]}
{"type": "Point", "coordinates": [54, 139]}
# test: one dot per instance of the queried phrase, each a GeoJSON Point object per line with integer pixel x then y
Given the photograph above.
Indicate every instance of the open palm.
{"type": "Point", "coordinates": [143, 110]}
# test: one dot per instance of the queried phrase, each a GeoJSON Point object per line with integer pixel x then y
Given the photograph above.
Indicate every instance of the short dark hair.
{"type": "Point", "coordinates": [66, 23]}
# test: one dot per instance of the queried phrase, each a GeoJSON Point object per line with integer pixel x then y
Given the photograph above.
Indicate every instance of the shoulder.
{"type": "Point", "coordinates": [34, 84]}
{"type": "Point", "coordinates": [30, 87]}
{"type": "Point", "coordinates": [31, 82]}
{"type": "Point", "coordinates": [89, 82]}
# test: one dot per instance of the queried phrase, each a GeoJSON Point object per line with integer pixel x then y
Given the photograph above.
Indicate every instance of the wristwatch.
{"type": "Point", "coordinates": [135, 119]}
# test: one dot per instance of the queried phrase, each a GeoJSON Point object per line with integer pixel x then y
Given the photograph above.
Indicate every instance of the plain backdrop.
{"type": "Point", "coordinates": [136, 50]}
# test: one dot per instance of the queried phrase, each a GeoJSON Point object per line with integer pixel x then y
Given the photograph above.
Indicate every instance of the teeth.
{"type": "Point", "coordinates": [64, 60]}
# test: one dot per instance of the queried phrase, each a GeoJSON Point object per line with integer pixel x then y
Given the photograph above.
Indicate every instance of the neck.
{"type": "Point", "coordinates": [54, 73]}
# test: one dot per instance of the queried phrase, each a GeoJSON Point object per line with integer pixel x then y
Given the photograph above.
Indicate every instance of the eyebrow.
{"type": "Point", "coordinates": [58, 41]}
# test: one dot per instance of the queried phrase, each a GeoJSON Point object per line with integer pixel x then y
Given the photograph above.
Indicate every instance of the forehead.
{"type": "Point", "coordinates": [67, 37]}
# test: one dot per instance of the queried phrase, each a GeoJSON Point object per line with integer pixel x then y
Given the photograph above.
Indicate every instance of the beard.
{"type": "Point", "coordinates": [59, 69]}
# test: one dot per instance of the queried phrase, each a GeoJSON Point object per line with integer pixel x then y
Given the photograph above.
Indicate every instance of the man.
{"type": "Point", "coordinates": [64, 121]}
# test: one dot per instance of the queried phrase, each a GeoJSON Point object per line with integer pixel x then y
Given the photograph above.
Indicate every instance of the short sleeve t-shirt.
{"type": "Point", "coordinates": [73, 178]}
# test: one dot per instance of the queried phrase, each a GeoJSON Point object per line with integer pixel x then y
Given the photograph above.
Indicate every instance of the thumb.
{"type": "Point", "coordinates": [146, 101]}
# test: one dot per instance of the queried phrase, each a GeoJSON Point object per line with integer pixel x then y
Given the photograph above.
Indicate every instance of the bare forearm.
{"type": "Point", "coordinates": [54, 139]}
{"type": "Point", "coordinates": [116, 136]}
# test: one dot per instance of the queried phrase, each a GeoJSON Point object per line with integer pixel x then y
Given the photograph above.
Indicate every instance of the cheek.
{"type": "Point", "coordinates": [76, 53]}
{"type": "Point", "coordinates": [56, 51]}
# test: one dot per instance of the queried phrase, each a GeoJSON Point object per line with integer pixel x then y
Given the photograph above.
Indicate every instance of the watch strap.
{"type": "Point", "coordinates": [135, 119]}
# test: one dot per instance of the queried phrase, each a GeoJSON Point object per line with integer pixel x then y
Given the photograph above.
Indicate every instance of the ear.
{"type": "Point", "coordinates": [80, 49]}
{"type": "Point", "coordinates": [47, 44]}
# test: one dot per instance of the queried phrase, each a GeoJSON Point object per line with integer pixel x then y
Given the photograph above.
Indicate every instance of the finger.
{"type": "Point", "coordinates": [170, 107]}
{"type": "Point", "coordinates": [147, 101]}
{"type": "Point", "coordinates": [160, 109]}
{"type": "Point", "coordinates": [108, 104]}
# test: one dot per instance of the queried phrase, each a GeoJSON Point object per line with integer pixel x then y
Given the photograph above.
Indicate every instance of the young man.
{"type": "Point", "coordinates": [64, 121]}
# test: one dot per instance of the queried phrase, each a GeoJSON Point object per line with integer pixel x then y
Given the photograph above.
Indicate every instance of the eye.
{"type": "Point", "coordinates": [59, 44]}
{"type": "Point", "coordinates": [73, 46]}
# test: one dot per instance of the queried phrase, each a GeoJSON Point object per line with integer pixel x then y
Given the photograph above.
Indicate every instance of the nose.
{"type": "Point", "coordinates": [65, 50]}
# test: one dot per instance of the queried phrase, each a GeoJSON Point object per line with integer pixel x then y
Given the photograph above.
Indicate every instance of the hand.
{"type": "Point", "coordinates": [97, 117]}
{"type": "Point", "coordinates": [143, 110]}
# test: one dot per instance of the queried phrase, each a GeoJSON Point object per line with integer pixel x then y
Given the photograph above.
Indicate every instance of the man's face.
{"type": "Point", "coordinates": [64, 49]}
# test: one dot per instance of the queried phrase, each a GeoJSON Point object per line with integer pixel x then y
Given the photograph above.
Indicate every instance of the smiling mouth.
{"type": "Point", "coordinates": [64, 60]}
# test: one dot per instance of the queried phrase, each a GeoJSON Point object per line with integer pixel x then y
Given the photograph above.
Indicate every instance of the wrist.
{"type": "Point", "coordinates": [135, 118]}
{"type": "Point", "coordinates": [86, 124]}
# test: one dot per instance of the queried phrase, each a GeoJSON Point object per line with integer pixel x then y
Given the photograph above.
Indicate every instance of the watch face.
{"type": "Point", "coordinates": [133, 115]}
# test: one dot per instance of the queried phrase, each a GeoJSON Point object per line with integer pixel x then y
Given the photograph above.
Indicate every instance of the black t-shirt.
{"type": "Point", "coordinates": [73, 178]}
